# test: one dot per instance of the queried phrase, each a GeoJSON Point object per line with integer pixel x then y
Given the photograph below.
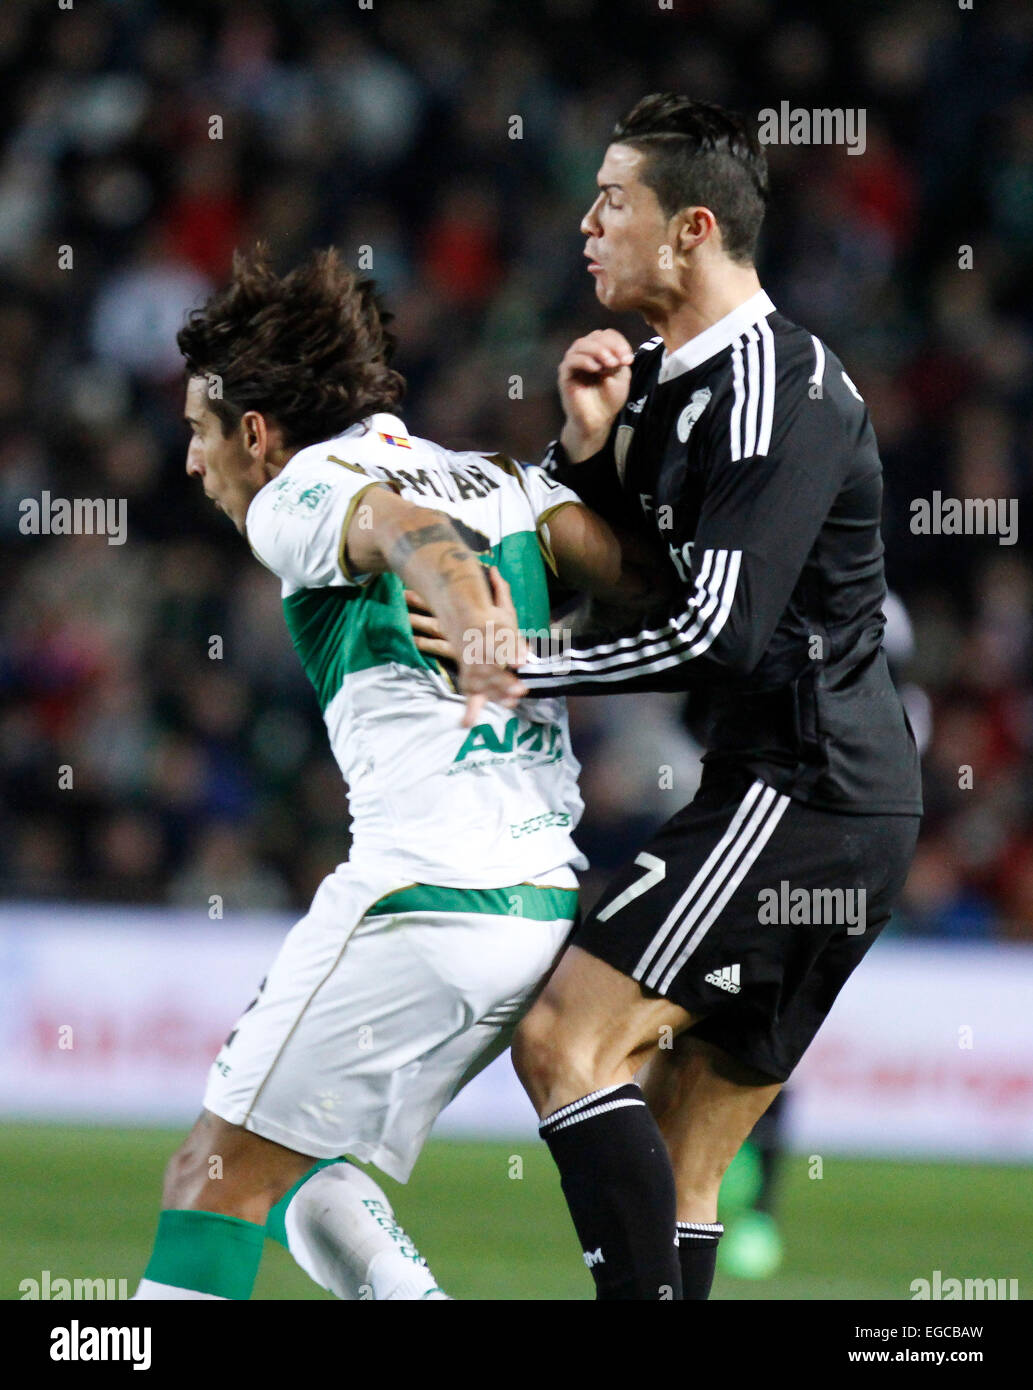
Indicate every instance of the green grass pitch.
{"type": "Point", "coordinates": [82, 1202]}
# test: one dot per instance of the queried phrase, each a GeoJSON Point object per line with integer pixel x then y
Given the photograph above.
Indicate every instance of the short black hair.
{"type": "Point", "coordinates": [700, 155]}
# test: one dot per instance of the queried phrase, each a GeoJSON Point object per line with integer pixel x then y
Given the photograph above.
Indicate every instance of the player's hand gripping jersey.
{"type": "Point", "coordinates": [466, 808]}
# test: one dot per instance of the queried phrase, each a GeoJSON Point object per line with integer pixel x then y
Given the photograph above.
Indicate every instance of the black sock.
{"type": "Point", "coordinates": [697, 1255]}
{"type": "Point", "coordinates": [619, 1186]}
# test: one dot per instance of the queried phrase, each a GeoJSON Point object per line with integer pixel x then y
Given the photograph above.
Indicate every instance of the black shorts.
{"type": "Point", "coordinates": [750, 911]}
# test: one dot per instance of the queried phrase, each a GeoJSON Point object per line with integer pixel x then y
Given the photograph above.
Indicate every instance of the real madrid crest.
{"type": "Point", "coordinates": [692, 412]}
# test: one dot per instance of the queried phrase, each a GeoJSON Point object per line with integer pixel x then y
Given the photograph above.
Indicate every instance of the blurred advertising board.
{"type": "Point", "coordinates": [114, 1014]}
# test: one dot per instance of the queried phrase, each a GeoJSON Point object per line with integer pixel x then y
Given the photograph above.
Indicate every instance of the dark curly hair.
{"type": "Point", "coordinates": [700, 155]}
{"type": "Point", "coordinates": [310, 349]}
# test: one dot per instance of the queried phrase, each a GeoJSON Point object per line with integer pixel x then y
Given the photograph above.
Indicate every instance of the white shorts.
{"type": "Point", "coordinates": [370, 1021]}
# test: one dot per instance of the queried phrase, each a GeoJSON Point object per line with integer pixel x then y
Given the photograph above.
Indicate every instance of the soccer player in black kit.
{"type": "Point", "coordinates": [738, 445]}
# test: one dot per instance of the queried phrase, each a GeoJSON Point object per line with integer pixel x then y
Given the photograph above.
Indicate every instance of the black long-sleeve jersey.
{"type": "Point", "coordinates": [748, 454]}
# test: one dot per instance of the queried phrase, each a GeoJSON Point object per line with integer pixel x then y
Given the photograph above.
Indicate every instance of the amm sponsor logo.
{"type": "Point", "coordinates": [520, 739]}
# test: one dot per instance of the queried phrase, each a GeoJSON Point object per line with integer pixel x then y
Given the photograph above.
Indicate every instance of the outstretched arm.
{"type": "Point", "coordinates": [760, 516]}
{"type": "Point", "coordinates": [617, 568]}
{"type": "Point", "coordinates": [618, 572]}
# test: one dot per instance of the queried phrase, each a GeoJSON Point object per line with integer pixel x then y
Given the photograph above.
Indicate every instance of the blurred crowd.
{"type": "Point", "coordinates": [451, 149]}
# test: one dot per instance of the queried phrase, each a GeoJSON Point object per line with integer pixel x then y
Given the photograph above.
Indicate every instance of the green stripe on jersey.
{"type": "Point", "coordinates": [337, 632]}
{"type": "Point", "coordinates": [528, 900]}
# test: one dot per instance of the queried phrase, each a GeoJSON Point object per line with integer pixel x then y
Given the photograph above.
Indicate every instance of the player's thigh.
{"type": "Point", "coordinates": [609, 1001]}
{"type": "Point", "coordinates": [452, 987]}
{"type": "Point", "coordinates": [311, 1022]}
{"type": "Point", "coordinates": [385, 1008]}
{"type": "Point", "coordinates": [588, 1028]}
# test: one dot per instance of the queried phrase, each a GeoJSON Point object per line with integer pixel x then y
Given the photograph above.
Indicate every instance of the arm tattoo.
{"type": "Point", "coordinates": [406, 545]}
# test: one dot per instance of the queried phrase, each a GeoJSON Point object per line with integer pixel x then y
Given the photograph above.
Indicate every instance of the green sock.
{"type": "Point", "coordinates": [276, 1222]}
{"type": "Point", "coordinates": [206, 1252]}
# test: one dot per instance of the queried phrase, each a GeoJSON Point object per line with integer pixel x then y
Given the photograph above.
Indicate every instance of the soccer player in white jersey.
{"type": "Point", "coordinates": [422, 951]}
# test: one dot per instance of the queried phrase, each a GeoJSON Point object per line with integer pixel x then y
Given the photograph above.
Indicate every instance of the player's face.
{"type": "Point", "coordinates": [223, 465]}
{"type": "Point", "coordinates": [626, 230]}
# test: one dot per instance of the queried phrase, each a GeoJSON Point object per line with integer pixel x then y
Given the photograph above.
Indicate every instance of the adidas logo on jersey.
{"type": "Point", "coordinates": [594, 1257]}
{"type": "Point", "coordinates": [727, 978]}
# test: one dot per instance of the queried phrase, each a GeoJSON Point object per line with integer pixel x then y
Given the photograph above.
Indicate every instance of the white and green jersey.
{"type": "Point", "coordinates": [467, 808]}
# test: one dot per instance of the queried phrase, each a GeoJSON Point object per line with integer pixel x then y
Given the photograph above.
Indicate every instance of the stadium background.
{"type": "Point", "coordinates": [390, 129]}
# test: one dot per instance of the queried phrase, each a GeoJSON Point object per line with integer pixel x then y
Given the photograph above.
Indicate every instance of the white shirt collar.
{"type": "Point", "coordinates": [719, 335]}
{"type": "Point", "coordinates": [381, 422]}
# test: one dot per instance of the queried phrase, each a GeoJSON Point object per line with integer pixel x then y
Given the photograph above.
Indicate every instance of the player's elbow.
{"type": "Point", "coordinates": [739, 653]}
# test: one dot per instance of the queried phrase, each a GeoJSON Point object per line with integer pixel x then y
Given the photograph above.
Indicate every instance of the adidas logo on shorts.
{"type": "Point", "coordinates": [727, 978]}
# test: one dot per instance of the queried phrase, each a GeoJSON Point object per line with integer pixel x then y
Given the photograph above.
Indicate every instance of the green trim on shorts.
{"type": "Point", "coordinates": [527, 900]}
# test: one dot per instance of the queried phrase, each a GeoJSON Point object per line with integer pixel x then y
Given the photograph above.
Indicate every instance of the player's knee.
{"type": "Point", "coordinates": [548, 1059]}
{"type": "Point", "coordinates": [183, 1177]}
{"type": "Point", "coordinates": [198, 1178]}
{"type": "Point", "coordinates": [536, 1055]}
{"type": "Point", "coordinates": [527, 1052]}
{"type": "Point", "coordinates": [197, 1181]}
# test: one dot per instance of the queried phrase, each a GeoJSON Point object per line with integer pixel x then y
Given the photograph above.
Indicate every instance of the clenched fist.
{"type": "Point", "coordinates": [594, 377]}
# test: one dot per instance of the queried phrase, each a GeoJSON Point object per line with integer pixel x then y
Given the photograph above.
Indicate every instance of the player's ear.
{"type": "Point", "coordinates": [694, 226]}
{"type": "Point", "coordinates": [254, 432]}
